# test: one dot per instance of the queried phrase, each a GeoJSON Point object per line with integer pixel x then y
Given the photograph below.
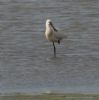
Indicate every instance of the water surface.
{"type": "Point", "coordinates": [26, 57]}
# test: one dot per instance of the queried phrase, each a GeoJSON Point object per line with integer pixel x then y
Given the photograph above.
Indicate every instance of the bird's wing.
{"type": "Point", "coordinates": [59, 34]}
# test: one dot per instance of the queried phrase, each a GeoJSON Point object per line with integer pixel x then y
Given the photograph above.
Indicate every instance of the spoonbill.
{"type": "Point", "coordinates": [52, 34]}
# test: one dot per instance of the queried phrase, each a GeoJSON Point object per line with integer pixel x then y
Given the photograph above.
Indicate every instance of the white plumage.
{"type": "Point", "coordinates": [52, 34]}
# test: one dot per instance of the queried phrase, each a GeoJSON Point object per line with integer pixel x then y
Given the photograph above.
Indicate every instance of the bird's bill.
{"type": "Point", "coordinates": [53, 26]}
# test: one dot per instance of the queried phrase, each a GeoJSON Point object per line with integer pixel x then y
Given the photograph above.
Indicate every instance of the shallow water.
{"type": "Point", "coordinates": [26, 57]}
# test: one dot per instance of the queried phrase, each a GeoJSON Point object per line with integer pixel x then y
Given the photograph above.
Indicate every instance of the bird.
{"type": "Point", "coordinates": [52, 34]}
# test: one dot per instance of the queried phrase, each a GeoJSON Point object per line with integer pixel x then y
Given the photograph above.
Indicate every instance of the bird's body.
{"type": "Point", "coordinates": [52, 34]}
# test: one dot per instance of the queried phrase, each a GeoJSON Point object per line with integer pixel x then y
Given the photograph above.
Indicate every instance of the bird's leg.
{"type": "Point", "coordinates": [54, 49]}
{"type": "Point", "coordinates": [58, 41]}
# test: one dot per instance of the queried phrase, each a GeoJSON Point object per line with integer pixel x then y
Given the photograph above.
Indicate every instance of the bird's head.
{"type": "Point", "coordinates": [48, 22]}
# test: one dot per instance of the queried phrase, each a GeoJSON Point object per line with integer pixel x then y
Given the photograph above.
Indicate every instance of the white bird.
{"type": "Point", "coordinates": [52, 34]}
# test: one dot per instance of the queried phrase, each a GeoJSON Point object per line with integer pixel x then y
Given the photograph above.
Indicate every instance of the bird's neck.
{"type": "Point", "coordinates": [49, 28]}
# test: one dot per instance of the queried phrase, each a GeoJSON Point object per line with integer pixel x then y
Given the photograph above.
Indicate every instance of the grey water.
{"type": "Point", "coordinates": [26, 57]}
